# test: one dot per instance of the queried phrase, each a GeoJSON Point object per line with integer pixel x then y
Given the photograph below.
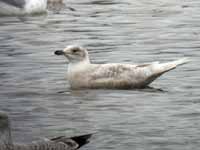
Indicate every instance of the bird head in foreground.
{"type": "Point", "coordinates": [4, 122]}
{"type": "Point", "coordinates": [5, 133]}
{"type": "Point", "coordinates": [74, 54]}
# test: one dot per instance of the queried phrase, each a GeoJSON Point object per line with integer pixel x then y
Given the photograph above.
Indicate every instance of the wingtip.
{"type": "Point", "coordinates": [183, 60]}
{"type": "Point", "coordinates": [186, 59]}
{"type": "Point", "coordinates": [79, 140]}
{"type": "Point", "coordinates": [82, 139]}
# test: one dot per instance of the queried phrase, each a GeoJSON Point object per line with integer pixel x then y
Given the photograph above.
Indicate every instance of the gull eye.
{"type": "Point", "coordinates": [75, 50]}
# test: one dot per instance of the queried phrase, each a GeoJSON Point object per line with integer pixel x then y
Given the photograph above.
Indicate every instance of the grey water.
{"type": "Point", "coordinates": [38, 98]}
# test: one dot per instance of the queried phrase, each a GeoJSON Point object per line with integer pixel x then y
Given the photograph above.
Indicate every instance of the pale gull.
{"type": "Point", "coordinates": [22, 7]}
{"type": "Point", "coordinates": [58, 143]}
{"type": "Point", "coordinates": [83, 74]}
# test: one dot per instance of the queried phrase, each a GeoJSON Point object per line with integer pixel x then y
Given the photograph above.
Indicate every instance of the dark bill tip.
{"type": "Point", "coordinates": [59, 52]}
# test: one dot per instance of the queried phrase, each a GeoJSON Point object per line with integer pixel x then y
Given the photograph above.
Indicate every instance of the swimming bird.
{"type": "Point", "coordinates": [84, 74]}
{"type": "Point", "coordinates": [55, 1]}
{"type": "Point", "coordinates": [58, 143]}
{"type": "Point", "coordinates": [57, 5]}
{"type": "Point", "coordinates": [22, 7]}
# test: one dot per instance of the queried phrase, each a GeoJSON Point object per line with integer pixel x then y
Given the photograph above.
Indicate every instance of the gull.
{"type": "Point", "coordinates": [22, 7]}
{"type": "Point", "coordinates": [58, 143]}
{"type": "Point", "coordinates": [56, 5]}
{"type": "Point", "coordinates": [55, 1]}
{"type": "Point", "coordinates": [84, 74]}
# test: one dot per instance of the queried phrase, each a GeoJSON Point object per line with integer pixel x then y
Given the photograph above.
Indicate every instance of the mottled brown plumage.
{"type": "Point", "coordinates": [58, 143]}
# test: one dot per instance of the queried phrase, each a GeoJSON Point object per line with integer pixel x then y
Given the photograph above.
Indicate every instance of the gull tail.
{"type": "Point", "coordinates": [165, 67]}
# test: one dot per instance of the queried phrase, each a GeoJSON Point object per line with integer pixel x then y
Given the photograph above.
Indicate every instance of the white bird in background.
{"type": "Point", "coordinates": [83, 74]}
{"type": "Point", "coordinates": [58, 143]}
{"type": "Point", "coordinates": [23, 7]}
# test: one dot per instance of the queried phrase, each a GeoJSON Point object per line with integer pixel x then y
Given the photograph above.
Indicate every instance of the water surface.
{"type": "Point", "coordinates": [34, 91]}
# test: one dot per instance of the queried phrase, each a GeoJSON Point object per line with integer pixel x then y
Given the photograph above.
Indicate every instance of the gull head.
{"type": "Point", "coordinates": [74, 54]}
